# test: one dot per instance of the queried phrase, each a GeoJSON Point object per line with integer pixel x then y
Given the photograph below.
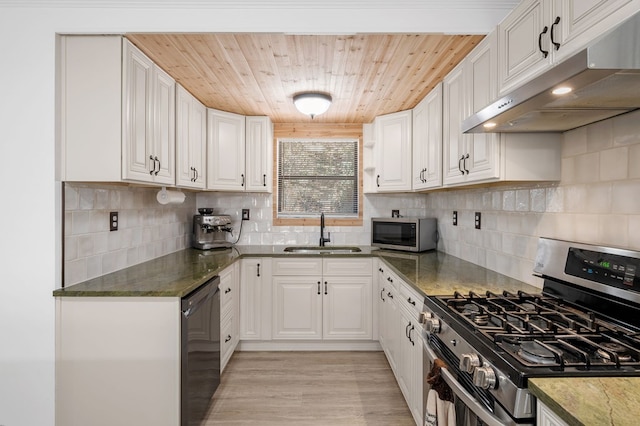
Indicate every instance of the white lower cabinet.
{"type": "Point", "coordinates": [315, 299]}
{"type": "Point", "coordinates": [388, 315]}
{"type": "Point", "coordinates": [118, 361]}
{"type": "Point", "coordinates": [410, 368]}
{"type": "Point", "coordinates": [229, 310]}
{"type": "Point", "coordinates": [546, 417]}
{"type": "Point", "coordinates": [255, 299]}
{"type": "Point", "coordinates": [400, 336]}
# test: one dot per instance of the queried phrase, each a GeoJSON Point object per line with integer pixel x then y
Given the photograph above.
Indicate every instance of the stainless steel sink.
{"type": "Point", "coordinates": [322, 250]}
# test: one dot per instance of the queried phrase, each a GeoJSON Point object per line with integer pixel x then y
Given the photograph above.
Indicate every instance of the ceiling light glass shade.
{"type": "Point", "coordinates": [312, 104]}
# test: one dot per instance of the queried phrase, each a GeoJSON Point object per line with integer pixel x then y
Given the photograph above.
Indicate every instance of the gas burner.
{"type": "Point", "coordinates": [481, 320]}
{"type": "Point", "coordinates": [536, 354]}
{"type": "Point", "coordinates": [620, 351]}
{"type": "Point", "coordinates": [528, 307]}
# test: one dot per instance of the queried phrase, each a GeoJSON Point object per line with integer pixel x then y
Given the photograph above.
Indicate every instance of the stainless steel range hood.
{"type": "Point", "coordinates": [605, 82]}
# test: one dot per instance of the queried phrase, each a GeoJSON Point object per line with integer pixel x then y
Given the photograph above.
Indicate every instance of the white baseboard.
{"type": "Point", "coordinates": [298, 345]}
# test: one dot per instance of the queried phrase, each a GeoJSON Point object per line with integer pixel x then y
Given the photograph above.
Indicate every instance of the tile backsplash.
{"type": "Point", "coordinates": [260, 230]}
{"type": "Point", "coordinates": [596, 201]}
{"type": "Point", "coordinates": [146, 228]}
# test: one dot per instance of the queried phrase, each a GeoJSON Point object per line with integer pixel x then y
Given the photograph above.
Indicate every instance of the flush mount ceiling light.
{"type": "Point", "coordinates": [312, 103]}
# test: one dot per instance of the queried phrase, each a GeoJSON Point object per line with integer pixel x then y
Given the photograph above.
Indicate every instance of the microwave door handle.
{"type": "Point", "coordinates": [479, 410]}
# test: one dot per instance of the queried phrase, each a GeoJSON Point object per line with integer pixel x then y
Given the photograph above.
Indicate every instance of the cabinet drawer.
{"type": "Point", "coordinates": [297, 266]}
{"type": "Point", "coordinates": [227, 339]}
{"type": "Point", "coordinates": [411, 299]}
{"type": "Point", "coordinates": [342, 267]}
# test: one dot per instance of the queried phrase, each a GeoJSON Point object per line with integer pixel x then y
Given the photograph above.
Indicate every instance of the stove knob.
{"type": "Point", "coordinates": [469, 362]}
{"type": "Point", "coordinates": [484, 377]}
{"type": "Point", "coordinates": [423, 317]}
{"type": "Point", "coordinates": [432, 325]}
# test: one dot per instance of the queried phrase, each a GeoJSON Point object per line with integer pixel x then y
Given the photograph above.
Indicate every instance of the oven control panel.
{"type": "Point", "coordinates": [606, 268]}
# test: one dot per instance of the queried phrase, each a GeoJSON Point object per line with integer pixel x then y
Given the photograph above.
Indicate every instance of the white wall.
{"type": "Point", "coordinates": [31, 214]}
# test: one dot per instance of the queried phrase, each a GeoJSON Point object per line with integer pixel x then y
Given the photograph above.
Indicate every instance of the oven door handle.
{"type": "Point", "coordinates": [478, 409]}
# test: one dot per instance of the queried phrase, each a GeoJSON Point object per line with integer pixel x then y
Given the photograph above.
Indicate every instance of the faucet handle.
{"type": "Point", "coordinates": [328, 239]}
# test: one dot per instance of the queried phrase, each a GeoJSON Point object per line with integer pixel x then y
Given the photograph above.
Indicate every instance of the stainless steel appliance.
{"type": "Point", "coordinates": [210, 230]}
{"type": "Point", "coordinates": [605, 82]}
{"type": "Point", "coordinates": [585, 322]}
{"type": "Point", "coordinates": [200, 354]}
{"type": "Point", "coordinates": [404, 233]}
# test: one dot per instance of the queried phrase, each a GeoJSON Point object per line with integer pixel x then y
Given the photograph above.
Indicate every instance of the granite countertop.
{"type": "Point", "coordinates": [436, 273]}
{"type": "Point", "coordinates": [177, 274]}
{"type": "Point", "coordinates": [591, 400]}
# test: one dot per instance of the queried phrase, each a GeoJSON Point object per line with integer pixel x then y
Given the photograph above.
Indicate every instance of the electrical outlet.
{"type": "Point", "coordinates": [245, 214]}
{"type": "Point", "coordinates": [113, 221]}
{"type": "Point", "coordinates": [477, 220]}
{"type": "Point", "coordinates": [455, 218]}
{"type": "Point", "coordinates": [395, 213]}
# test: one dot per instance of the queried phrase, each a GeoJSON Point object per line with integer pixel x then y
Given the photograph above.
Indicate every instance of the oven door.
{"type": "Point", "coordinates": [469, 411]}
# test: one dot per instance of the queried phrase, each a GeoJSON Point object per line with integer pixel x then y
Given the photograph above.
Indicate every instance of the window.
{"type": "Point", "coordinates": [318, 175]}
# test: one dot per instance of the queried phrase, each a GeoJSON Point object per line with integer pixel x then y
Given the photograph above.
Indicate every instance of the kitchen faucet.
{"type": "Point", "coordinates": [322, 238]}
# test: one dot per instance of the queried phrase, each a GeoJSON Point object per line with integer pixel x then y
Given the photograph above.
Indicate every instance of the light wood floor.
{"type": "Point", "coordinates": [308, 388]}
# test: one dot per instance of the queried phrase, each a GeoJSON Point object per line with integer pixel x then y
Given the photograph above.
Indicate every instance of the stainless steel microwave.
{"type": "Point", "coordinates": [404, 233]}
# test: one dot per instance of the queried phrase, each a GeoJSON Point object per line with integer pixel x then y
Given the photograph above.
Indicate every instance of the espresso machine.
{"type": "Point", "coordinates": [210, 230]}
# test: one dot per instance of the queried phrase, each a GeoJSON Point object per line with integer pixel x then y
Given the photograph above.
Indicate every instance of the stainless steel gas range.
{"type": "Point", "coordinates": [585, 322]}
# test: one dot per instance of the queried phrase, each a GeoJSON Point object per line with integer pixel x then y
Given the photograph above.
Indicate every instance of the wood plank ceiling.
{"type": "Point", "coordinates": [258, 74]}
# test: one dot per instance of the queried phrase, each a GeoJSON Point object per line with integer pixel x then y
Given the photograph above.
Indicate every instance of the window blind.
{"type": "Point", "coordinates": [317, 175]}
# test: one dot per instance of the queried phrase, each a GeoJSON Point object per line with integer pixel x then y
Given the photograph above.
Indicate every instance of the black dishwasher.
{"type": "Point", "coordinates": [200, 370]}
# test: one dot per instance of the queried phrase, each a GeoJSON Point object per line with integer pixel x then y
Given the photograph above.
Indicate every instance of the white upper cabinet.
{"type": "Point", "coordinates": [478, 158]}
{"type": "Point", "coordinates": [148, 135]}
{"type": "Point", "coordinates": [259, 154]}
{"type": "Point", "coordinates": [540, 33]}
{"type": "Point", "coordinates": [393, 145]}
{"type": "Point", "coordinates": [455, 153]}
{"type": "Point", "coordinates": [239, 154]}
{"type": "Point", "coordinates": [117, 111]}
{"type": "Point", "coordinates": [225, 151]}
{"type": "Point", "coordinates": [191, 139]}
{"type": "Point", "coordinates": [427, 141]}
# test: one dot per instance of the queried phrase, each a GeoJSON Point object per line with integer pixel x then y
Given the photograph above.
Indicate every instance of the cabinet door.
{"type": "Point", "coordinates": [297, 307]}
{"type": "Point", "coordinates": [522, 39]}
{"type": "Point", "coordinates": [259, 151]}
{"type": "Point", "coordinates": [427, 141]}
{"type": "Point", "coordinates": [583, 20]}
{"type": "Point", "coordinates": [255, 299]}
{"type": "Point", "coordinates": [347, 311]}
{"type": "Point", "coordinates": [191, 133]}
{"type": "Point", "coordinates": [138, 162]}
{"type": "Point", "coordinates": [416, 387]}
{"type": "Point", "coordinates": [163, 136]}
{"type": "Point", "coordinates": [393, 141]}
{"type": "Point", "coordinates": [404, 364]}
{"type": "Point", "coordinates": [546, 417]}
{"type": "Point", "coordinates": [225, 153]}
{"type": "Point", "coordinates": [481, 89]}
{"type": "Point", "coordinates": [389, 326]}
{"type": "Point", "coordinates": [454, 141]}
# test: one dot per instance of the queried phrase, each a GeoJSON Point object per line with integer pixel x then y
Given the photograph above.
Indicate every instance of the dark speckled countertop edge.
{"type": "Point", "coordinates": [179, 273]}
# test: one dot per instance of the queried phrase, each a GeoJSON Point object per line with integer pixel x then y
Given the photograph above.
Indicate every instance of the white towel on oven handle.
{"type": "Point", "coordinates": [439, 412]}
